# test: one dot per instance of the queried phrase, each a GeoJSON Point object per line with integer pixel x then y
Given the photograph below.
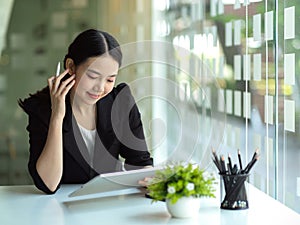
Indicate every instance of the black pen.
{"type": "Point", "coordinates": [240, 160]}
{"type": "Point", "coordinates": [255, 154]}
{"type": "Point", "coordinates": [223, 168]}
{"type": "Point", "coordinates": [216, 164]}
{"type": "Point", "coordinates": [251, 164]}
{"type": "Point", "coordinates": [229, 164]}
{"type": "Point", "coordinates": [234, 169]}
{"type": "Point", "coordinates": [229, 170]}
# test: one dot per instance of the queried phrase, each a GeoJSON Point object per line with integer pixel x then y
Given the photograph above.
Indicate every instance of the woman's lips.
{"type": "Point", "coordinates": [94, 96]}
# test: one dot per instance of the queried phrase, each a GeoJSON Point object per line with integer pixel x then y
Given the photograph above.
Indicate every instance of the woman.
{"type": "Point", "coordinates": [80, 124]}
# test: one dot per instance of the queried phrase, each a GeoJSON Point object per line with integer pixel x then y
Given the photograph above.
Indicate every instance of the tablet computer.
{"type": "Point", "coordinates": [114, 181]}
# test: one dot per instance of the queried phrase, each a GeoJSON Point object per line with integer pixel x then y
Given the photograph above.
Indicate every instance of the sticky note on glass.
{"type": "Point", "coordinates": [228, 34]}
{"type": "Point", "coordinates": [220, 8]}
{"type": "Point", "coordinates": [269, 26]}
{"type": "Point", "coordinates": [229, 101]}
{"type": "Point", "coordinates": [237, 103]}
{"type": "Point", "coordinates": [237, 32]}
{"type": "Point", "coordinates": [237, 67]}
{"type": "Point", "coordinates": [237, 4]}
{"type": "Point", "coordinates": [221, 66]}
{"type": "Point", "coordinates": [269, 109]}
{"type": "Point", "coordinates": [257, 27]}
{"type": "Point", "coordinates": [221, 100]}
{"type": "Point", "coordinates": [289, 69]}
{"type": "Point", "coordinates": [289, 23]}
{"type": "Point", "coordinates": [257, 67]}
{"type": "Point", "coordinates": [247, 104]}
{"type": "Point", "coordinates": [247, 67]}
{"type": "Point", "coordinates": [269, 151]}
{"type": "Point", "coordinates": [289, 115]}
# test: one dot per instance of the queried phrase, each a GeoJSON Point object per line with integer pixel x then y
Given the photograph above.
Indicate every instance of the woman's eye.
{"type": "Point", "coordinates": [90, 76]}
{"type": "Point", "coordinates": [110, 81]}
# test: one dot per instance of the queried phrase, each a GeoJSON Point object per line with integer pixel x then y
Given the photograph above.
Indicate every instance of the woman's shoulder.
{"type": "Point", "coordinates": [37, 101]}
{"type": "Point", "coordinates": [122, 96]}
{"type": "Point", "coordinates": [123, 89]}
{"type": "Point", "coordinates": [121, 86]}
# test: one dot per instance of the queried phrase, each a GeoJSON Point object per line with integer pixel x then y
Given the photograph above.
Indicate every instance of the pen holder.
{"type": "Point", "coordinates": [235, 191]}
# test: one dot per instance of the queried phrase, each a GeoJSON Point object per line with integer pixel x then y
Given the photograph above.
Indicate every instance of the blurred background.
{"type": "Point", "coordinates": [235, 85]}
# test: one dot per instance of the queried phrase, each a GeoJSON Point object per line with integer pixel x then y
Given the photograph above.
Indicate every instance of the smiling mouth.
{"type": "Point", "coordinates": [94, 96]}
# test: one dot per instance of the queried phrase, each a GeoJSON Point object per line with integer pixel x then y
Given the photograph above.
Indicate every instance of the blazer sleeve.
{"type": "Point", "coordinates": [38, 123]}
{"type": "Point", "coordinates": [134, 158]}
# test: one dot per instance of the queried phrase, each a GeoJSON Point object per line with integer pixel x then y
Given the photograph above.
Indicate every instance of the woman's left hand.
{"type": "Point", "coordinates": [145, 182]}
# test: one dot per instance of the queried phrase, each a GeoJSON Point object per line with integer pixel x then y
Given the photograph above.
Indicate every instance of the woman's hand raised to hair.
{"type": "Point", "coordinates": [58, 92]}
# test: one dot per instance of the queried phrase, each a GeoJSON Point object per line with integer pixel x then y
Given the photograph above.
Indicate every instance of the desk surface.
{"type": "Point", "coordinates": [26, 205]}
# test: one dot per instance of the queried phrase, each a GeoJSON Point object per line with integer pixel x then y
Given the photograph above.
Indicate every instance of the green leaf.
{"type": "Point", "coordinates": [179, 176]}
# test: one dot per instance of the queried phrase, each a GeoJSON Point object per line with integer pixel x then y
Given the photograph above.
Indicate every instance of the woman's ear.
{"type": "Point", "coordinates": [70, 65]}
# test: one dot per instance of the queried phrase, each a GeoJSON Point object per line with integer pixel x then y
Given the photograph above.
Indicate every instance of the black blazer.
{"type": "Point", "coordinates": [120, 133]}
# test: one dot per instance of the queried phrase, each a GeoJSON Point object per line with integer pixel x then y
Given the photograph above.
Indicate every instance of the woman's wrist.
{"type": "Point", "coordinates": [56, 120]}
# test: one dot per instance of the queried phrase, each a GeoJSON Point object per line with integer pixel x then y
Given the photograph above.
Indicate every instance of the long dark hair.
{"type": "Point", "coordinates": [92, 43]}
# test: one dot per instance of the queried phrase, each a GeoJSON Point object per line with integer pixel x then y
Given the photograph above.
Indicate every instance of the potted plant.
{"type": "Point", "coordinates": [181, 186]}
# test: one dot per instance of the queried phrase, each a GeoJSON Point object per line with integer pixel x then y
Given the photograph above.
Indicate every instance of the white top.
{"type": "Point", "coordinates": [27, 205]}
{"type": "Point", "coordinates": [89, 139]}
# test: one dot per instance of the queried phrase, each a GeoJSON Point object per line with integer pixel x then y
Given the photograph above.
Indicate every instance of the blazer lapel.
{"type": "Point", "coordinates": [106, 145]}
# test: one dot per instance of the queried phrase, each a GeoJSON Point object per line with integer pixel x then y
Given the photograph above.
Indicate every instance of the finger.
{"type": "Point", "coordinates": [142, 183]}
{"type": "Point", "coordinates": [70, 78]}
{"type": "Point", "coordinates": [57, 80]}
{"type": "Point", "coordinates": [148, 178]}
{"type": "Point", "coordinates": [64, 84]}
{"type": "Point", "coordinates": [68, 88]}
{"type": "Point", "coordinates": [55, 85]}
{"type": "Point", "coordinates": [60, 76]}
{"type": "Point", "coordinates": [50, 82]}
{"type": "Point", "coordinates": [145, 182]}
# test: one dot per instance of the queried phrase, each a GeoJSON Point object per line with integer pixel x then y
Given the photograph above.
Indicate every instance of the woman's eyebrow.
{"type": "Point", "coordinates": [98, 73]}
{"type": "Point", "coordinates": [94, 71]}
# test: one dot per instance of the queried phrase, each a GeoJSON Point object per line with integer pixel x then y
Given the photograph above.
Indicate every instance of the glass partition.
{"type": "Point", "coordinates": [251, 47]}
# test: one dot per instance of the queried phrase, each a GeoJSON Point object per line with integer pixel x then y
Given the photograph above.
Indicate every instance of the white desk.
{"type": "Point", "coordinates": [26, 205]}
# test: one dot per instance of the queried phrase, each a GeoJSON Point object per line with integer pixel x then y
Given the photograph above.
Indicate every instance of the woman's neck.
{"type": "Point", "coordinates": [85, 114]}
{"type": "Point", "coordinates": [83, 109]}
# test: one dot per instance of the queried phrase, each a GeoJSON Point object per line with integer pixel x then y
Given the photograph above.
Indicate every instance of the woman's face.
{"type": "Point", "coordinates": [95, 78]}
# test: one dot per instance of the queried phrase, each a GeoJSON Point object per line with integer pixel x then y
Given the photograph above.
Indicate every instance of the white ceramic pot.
{"type": "Point", "coordinates": [185, 207]}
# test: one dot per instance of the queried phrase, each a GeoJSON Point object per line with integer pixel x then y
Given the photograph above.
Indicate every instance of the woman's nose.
{"type": "Point", "coordinates": [99, 87]}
